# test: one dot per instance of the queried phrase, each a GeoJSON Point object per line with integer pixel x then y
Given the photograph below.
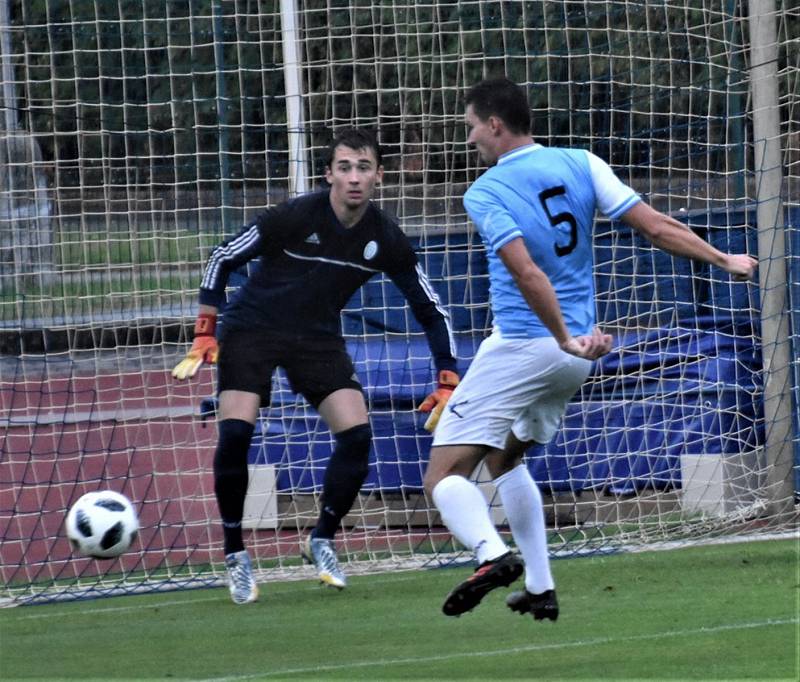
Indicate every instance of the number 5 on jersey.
{"type": "Point", "coordinates": [563, 217]}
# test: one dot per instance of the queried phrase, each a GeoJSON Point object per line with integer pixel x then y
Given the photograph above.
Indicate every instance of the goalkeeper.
{"type": "Point", "coordinates": [534, 210]}
{"type": "Point", "coordinates": [314, 252]}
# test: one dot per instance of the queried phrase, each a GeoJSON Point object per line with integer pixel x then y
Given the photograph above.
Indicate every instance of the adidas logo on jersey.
{"type": "Point", "coordinates": [312, 238]}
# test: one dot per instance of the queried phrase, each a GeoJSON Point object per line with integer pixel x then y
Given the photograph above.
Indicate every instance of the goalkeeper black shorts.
{"type": "Point", "coordinates": [314, 366]}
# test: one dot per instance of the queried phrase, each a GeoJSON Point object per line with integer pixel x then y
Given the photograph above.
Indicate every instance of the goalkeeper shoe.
{"type": "Point", "coordinates": [241, 582]}
{"type": "Point", "coordinates": [322, 553]}
{"type": "Point", "coordinates": [540, 606]}
{"type": "Point", "coordinates": [489, 575]}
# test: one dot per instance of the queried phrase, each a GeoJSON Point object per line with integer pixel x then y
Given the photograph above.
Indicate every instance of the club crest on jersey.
{"type": "Point", "coordinates": [312, 238]}
{"type": "Point", "coordinates": [370, 250]}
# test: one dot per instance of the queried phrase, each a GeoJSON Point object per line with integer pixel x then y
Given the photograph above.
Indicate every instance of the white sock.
{"type": "Point", "coordinates": [522, 502]}
{"type": "Point", "coordinates": [466, 514]}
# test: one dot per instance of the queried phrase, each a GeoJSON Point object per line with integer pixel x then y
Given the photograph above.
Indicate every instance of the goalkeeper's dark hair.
{"type": "Point", "coordinates": [502, 98]}
{"type": "Point", "coordinates": [354, 138]}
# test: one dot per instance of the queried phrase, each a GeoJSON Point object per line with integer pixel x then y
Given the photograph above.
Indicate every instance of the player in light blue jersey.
{"type": "Point", "coordinates": [519, 198]}
{"type": "Point", "coordinates": [535, 210]}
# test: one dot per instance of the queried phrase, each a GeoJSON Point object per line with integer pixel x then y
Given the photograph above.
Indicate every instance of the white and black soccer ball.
{"type": "Point", "coordinates": [102, 524]}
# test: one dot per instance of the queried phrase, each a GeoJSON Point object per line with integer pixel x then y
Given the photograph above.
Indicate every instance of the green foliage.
{"type": "Point", "coordinates": [182, 92]}
{"type": "Point", "coordinates": [139, 94]}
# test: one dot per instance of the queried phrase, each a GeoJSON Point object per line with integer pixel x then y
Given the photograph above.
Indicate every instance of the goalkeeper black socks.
{"type": "Point", "coordinates": [347, 469]}
{"type": "Point", "coordinates": [231, 478]}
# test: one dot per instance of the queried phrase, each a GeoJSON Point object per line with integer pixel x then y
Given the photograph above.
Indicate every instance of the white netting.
{"type": "Point", "coordinates": [137, 135]}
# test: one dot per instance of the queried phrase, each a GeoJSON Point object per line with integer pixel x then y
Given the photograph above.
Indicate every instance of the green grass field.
{"type": "Point", "coordinates": [718, 612]}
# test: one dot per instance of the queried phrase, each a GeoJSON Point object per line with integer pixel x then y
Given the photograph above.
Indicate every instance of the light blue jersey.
{"type": "Point", "coordinates": [547, 196]}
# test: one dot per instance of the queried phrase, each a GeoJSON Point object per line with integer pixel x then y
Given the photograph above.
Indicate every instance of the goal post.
{"type": "Point", "coordinates": [144, 133]}
{"type": "Point", "coordinates": [772, 251]}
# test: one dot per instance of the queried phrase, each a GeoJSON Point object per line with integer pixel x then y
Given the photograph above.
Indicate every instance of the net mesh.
{"type": "Point", "coordinates": [138, 135]}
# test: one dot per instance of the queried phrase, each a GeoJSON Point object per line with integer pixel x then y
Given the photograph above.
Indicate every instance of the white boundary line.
{"type": "Point", "coordinates": [599, 641]}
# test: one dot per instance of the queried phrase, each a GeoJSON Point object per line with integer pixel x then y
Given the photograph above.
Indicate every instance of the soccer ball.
{"type": "Point", "coordinates": [102, 524]}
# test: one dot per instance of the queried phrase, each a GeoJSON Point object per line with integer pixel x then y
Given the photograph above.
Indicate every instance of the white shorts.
{"type": "Point", "coordinates": [513, 385]}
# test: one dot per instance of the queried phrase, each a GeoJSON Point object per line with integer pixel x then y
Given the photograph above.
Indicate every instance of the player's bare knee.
{"type": "Point", "coordinates": [439, 467]}
{"type": "Point", "coordinates": [434, 473]}
{"type": "Point", "coordinates": [448, 461]}
{"type": "Point", "coordinates": [430, 481]}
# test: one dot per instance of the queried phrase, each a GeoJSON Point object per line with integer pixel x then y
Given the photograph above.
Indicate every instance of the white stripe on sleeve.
{"type": "Point", "coordinates": [424, 282]}
{"type": "Point", "coordinates": [224, 253]}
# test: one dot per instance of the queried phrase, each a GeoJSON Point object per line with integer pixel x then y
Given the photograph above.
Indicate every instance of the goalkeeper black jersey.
{"type": "Point", "coordinates": [309, 266]}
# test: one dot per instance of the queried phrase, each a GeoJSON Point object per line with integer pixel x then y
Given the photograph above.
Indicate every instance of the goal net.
{"type": "Point", "coordinates": [136, 136]}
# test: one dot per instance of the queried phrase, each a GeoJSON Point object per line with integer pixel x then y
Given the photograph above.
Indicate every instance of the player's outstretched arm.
{"type": "Point", "coordinates": [675, 238]}
{"type": "Point", "coordinates": [204, 347]}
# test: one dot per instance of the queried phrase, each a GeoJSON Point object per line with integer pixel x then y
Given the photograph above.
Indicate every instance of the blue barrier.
{"type": "Point", "coordinates": [683, 388]}
{"type": "Point", "coordinates": [660, 394]}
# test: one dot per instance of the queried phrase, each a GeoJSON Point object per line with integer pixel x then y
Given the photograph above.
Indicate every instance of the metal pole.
{"type": "Point", "coordinates": [222, 114]}
{"type": "Point", "coordinates": [10, 254]}
{"type": "Point", "coordinates": [736, 94]}
{"type": "Point", "coordinates": [298, 164]}
{"type": "Point", "coordinates": [772, 256]}
{"type": "Point", "coordinates": [9, 94]}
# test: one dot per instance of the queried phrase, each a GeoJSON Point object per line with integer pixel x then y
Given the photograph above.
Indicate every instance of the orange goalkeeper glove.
{"type": "Point", "coordinates": [204, 348]}
{"type": "Point", "coordinates": [436, 401]}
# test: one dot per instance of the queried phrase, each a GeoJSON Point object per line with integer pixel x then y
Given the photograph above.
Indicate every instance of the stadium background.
{"type": "Point", "coordinates": [137, 135]}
